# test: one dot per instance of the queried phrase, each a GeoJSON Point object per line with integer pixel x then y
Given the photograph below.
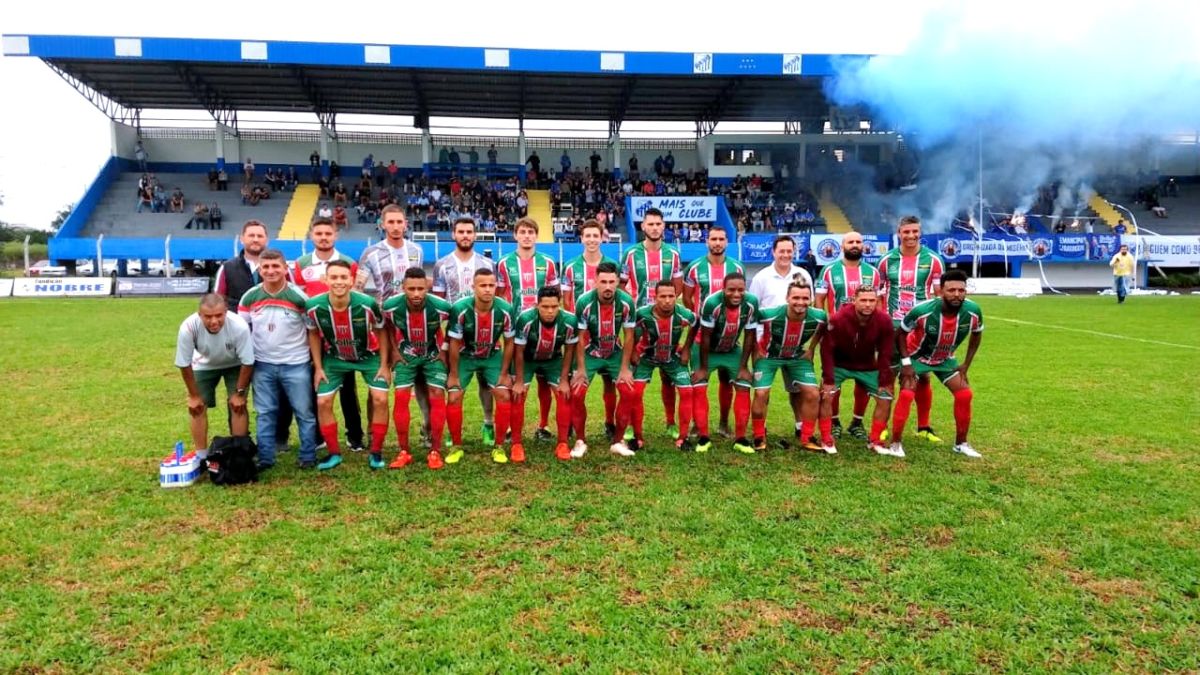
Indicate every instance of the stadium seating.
{"type": "Point", "coordinates": [116, 214]}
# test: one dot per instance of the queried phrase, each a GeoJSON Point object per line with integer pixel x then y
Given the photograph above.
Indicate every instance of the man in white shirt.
{"type": "Point", "coordinates": [214, 344]}
{"type": "Point", "coordinates": [770, 284]}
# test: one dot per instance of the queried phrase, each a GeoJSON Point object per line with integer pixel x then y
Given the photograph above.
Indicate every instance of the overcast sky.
{"type": "Point", "coordinates": [54, 141]}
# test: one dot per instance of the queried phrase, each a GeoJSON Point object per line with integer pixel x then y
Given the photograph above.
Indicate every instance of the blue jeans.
{"type": "Point", "coordinates": [1120, 283]}
{"type": "Point", "coordinates": [271, 380]}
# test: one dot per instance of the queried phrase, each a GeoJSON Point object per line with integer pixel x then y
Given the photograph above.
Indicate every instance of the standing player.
{"type": "Point", "coordinates": [836, 287]}
{"type": "Point", "coordinates": [783, 333]}
{"type": "Point", "coordinates": [929, 335]}
{"type": "Point", "coordinates": [345, 335]}
{"type": "Point", "coordinates": [858, 345]}
{"type": "Point", "coordinates": [645, 265]}
{"type": "Point", "coordinates": [910, 275]}
{"type": "Point", "coordinates": [605, 316]}
{"type": "Point", "coordinates": [545, 341]}
{"type": "Point", "coordinates": [481, 332]}
{"type": "Point", "coordinates": [519, 277]}
{"type": "Point", "coordinates": [702, 278]}
{"type": "Point", "coordinates": [579, 277]}
{"type": "Point", "coordinates": [725, 316]}
{"type": "Point", "coordinates": [414, 322]}
{"type": "Point", "coordinates": [658, 331]}
{"type": "Point", "coordinates": [453, 277]}
{"type": "Point", "coordinates": [309, 274]}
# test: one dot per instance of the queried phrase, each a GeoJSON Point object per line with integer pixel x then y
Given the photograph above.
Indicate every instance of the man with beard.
{"type": "Point", "coordinates": [725, 316]}
{"type": "Point", "coordinates": [930, 333]}
{"type": "Point", "coordinates": [309, 273]}
{"type": "Point", "coordinates": [910, 274]}
{"type": "Point", "coordinates": [703, 277]}
{"type": "Point", "coordinates": [453, 279]}
{"type": "Point", "coordinates": [605, 316]}
{"type": "Point", "coordinates": [836, 288]}
{"type": "Point", "coordinates": [579, 277]}
{"type": "Point", "coordinates": [858, 345]}
{"type": "Point", "coordinates": [645, 265]}
{"type": "Point", "coordinates": [520, 275]}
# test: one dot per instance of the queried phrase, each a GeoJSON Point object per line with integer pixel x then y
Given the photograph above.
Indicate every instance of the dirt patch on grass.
{"type": "Point", "coordinates": [1108, 590]}
{"type": "Point", "coordinates": [1140, 457]}
{"type": "Point", "coordinates": [939, 536]}
{"type": "Point", "coordinates": [748, 617]}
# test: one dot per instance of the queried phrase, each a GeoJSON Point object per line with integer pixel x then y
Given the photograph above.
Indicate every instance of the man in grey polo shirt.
{"type": "Point", "coordinates": [214, 344]}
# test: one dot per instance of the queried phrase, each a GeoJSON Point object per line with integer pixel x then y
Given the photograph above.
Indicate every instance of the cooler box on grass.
{"type": "Point", "coordinates": [178, 469]}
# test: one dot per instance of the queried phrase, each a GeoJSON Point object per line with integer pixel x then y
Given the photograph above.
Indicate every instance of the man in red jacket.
{"type": "Point", "coordinates": [858, 346]}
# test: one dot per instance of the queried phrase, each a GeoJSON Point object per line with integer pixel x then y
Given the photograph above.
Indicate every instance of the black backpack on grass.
{"type": "Point", "coordinates": [232, 460]}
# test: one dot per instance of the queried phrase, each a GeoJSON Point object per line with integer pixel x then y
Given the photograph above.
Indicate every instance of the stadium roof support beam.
{"type": "Point", "coordinates": [623, 101]}
{"type": "Point", "coordinates": [705, 127]}
{"type": "Point", "coordinates": [421, 119]}
{"type": "Point", "coordinates": [716, 109]}
{"type": "Point", "coordinates": [792, 126]}
{"type": "Point", "coordinates": [325, 112]}
{"type": "Point", "coordinates": [216, 106]}
{"type": "Point", "coordinates": [115, 110]}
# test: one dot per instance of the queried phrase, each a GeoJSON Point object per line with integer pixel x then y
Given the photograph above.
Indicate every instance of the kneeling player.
{"type": "Point", "coordinates": [930, 334]}
{"type": "Point", "coordinates": [725, 316]}
{"type": "Point", "coordinates": [858, 346]}
{"type": "Point", "coordinates": [481, 331]}
{"type": "Point", "coordinates": [345, 335]}
{"type": "Point", "coordinates": [658, 329]}
{"type": "Point", "coordinates": [414, 321]}
{"type": "Point", "coordinates": [545, 339]}
{"type": "Point", "coordinates": [783, 332]}
{"type": "Point", "coordinates": [605, 316]}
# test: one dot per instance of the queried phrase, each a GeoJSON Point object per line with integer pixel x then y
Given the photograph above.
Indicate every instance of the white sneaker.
{"type": "Point", "coordinates": [880, 449]}
{"type": "Point", "coordinates": [621, 449]}
{"type": "Point", "coordinates": [897, 450]}
{"type": "Point", "coordinates": [829, 449]}
{"type": "Point", "coordinates": [579, 450]}
{"type": "Point", "coordinates": [967, 450]}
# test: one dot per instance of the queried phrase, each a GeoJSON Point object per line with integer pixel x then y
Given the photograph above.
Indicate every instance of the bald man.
{"type": "Point", "coordinates": [836, 286]}
{"type": "Point", "coordinates": [214, 345]}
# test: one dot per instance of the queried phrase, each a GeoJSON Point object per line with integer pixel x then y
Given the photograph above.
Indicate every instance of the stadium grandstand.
{"type": "Point", "coordinates": [181, 192]}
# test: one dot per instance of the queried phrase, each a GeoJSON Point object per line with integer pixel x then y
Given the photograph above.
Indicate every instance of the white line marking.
{"type": "Point", "coordinates": [1096, 332]}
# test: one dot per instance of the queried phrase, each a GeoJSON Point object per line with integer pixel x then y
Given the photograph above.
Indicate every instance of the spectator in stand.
{"type": "Point", "coordinates": [658, 166]}
{"type": "Point", "coordinates": [314, 165]}
{"type": "Point", "coordinates": [291, 179]}
{"type": "Point", "coordinates": [492, 155]}
{"type": "Point", "coordinates": [215, 216]}
{"type": "Point", "coordinates": [669, 163]}
{"type": "Point", "coordinates": [1120, 228]}
{"type": "Point", "coordinates": [455, 160]}
{"type": "Point", "coordinates": [335, 171]}
{"type": "Point", "coordinates": [431, 220]}
{"type": "Point", "coordinates": [595, 162]}
{"type": "Point", "coordinates": [633, 166]}
{"type": "Point", "coordinates": [380, 176]}
{"type": "Point", "coordinates": [160, 198]}
{"type": "Point", "coordinates": [324, 211]}
{"type": "Point", "coordinates": [565, 162]}
{"type": "Point", "coordinates": [248, 171]}
{"type": "Point", "coordinates": [340, 198]}
{"type": "Point", "coordinates": [274, 180]}
{"type": "Point", "coordinates": [323, 186]}
{"type": "Point", "coordinates": [249, 196]}
{"type": "Point", "coordinates": [145, 198]}
{"type": "Point", "coordinates": [367, 163]}
{"type": "Point", "coordinates": [340, 219]}
{"type": "Point", "coordinates": [522, 204]}
{"type": "Point", "coordinates": [199, 217]}
{"type": "Point", "coordinates": [393, 172]}
{"type": "Point", "coordinates": [212, 179]}
{"type": "Point", "coordinates": [139, 153]}
{"type": "Point", "coordinates": [1060, 226]}
{"type": "Point", "coordinates": [535, 166]}
{"type": "Point", "coordinates": [222, 180]}
{"type": "Point", "coordinates": [473, 158]}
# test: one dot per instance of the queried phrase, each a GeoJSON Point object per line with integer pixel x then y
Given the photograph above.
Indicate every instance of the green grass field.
{"type": "Point", "coordinates": [1072, 546]}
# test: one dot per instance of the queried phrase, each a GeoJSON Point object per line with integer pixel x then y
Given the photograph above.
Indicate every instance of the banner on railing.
{"type": "Point", "coordinates": [1170, 251]}
{"type": "Point", "coordinates": [62, 287]}
{"type": "Point", "coordinates": [826, 248]}
{"type": "Point", "coordinates": [162, 286]}
{"type": "Point", "coordinates": [677, 209]}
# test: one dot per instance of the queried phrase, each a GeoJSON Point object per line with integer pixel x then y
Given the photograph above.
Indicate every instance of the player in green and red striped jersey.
{"type": "Point", "coordinates": [481, 332]}
{"type": "Point", "coordinates": [605, 316]}
{"type": "Point", "coordinates": [414, 322]}
{"type": "Point", "coordinates": [663, 333]}
{"type": "Point", "coordinates": [784, 332]}
{"type": "Point", "coordinates": [643, 267]}
{"type": "Point", "coordinates": [911, 274]}
{"type": "Point", "coordinates": [579, 277]}
{"type": "Point", "coordinates": [931, 333]}
{"type": "Point", "coordinates": [545, 340]}
{"type": "Point", "coordinates": [519, 277]}
{"type": "Point", "coordinates": [703, 277]}
{"type": "Point", "coordinates": [725, 316]}
{"type": "Point", "coordinates": [836, 286]}
{"type": "Point", "coordinates": [345, 335]}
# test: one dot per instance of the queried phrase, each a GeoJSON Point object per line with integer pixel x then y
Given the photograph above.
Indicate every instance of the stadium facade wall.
{"type": "Point", "coordinates": [86, 205]}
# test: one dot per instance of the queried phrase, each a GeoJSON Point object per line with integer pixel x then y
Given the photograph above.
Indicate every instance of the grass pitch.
{"type": "Point", "coordinates": [1072, 545]}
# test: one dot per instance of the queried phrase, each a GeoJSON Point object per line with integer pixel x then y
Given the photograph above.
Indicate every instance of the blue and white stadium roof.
{"type": "Point", "coordinates": [424, 81]}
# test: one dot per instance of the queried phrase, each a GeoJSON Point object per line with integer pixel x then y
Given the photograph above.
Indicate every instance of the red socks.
{"type": "Point", "coordinates": [610, 406]}
{"type": "Point", "coordinates": [924, 402]}
{"type": "Point", "coordinates": [437, 416]}
{"type": "Point", "coordinates": [826, 425]}
{"type": "Point", "coordinates": [639, 410]}
{"type": "Point", "coordinates": [686, 407]}
{"type": "Point", "coordinates": [630, 400]}
{"type": "Point", "coordinates": [700, 408]}
{"type": "Point", "coordinates": [724, 400]}
{"type": "Point", "coordinates": [579, 409]}
{"type": "Point", "coordinates": [503, 417]}
{"type": "Point", "coordinates": [861, 399]}
{"type": "Point", "coordinates": [741, 412]}
{"type": "Point", "coordinates": [544, 396]}
{"type": "Point", "coordinates": [400, 415]}
{"type": "Point", "coordinates": [877, 429]}
{"type": "Point", "coordinates": [378, 436]}
{"type": "Point", "coordinates": [329, 433]}
{"type": "Point", "coordinates": [962, 411]}
{"type": "Point", "coordinates": [562, 406]}
{"type": "Point", "coordinates": [668, 401]}
{"type": "Point", "coordinates": [806, 429]}
{"type": "Point", "coordinates": [516, 416]}
{"type": "Point", "coordinates": [900, 414]}
{"type": "Point", "coordinates": [454, 419]}
{"type": "Point", "coordinates": [760, 428]}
